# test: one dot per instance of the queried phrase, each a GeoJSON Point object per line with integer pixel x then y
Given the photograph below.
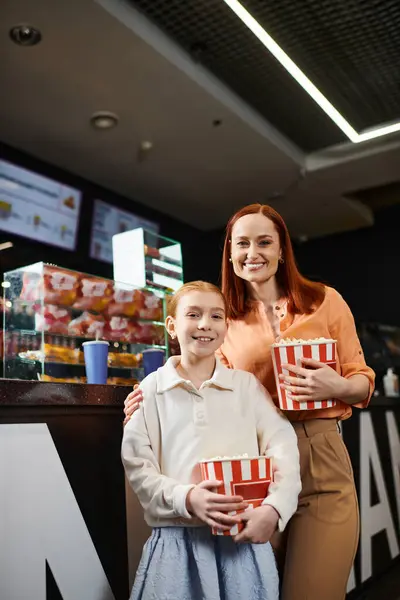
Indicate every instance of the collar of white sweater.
{"type": "Point", "coordinates": [168, 377]}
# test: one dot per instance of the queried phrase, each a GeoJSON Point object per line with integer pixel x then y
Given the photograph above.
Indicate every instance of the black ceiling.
{"type": "Point", "coordinates": [350, 49]}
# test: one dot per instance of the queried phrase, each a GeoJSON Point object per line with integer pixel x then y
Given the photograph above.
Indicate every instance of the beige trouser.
{"type": "Point", "coordinates": [317, 549]}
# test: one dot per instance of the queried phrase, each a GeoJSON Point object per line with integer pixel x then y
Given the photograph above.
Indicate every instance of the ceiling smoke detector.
{"type": "Point", "coordinates": [25, 35]}
{"type": "Point", "coordinates": [104, 119]}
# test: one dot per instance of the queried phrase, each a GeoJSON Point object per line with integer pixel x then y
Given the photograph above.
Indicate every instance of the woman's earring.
{"type": "Point", "coordinates": [281, 260]}
{"type": "Point", "coordinates": [230, 259]}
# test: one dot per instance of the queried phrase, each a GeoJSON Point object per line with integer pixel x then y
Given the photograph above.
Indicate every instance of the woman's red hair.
{"type": "Point", "coordinates": [303, 295]}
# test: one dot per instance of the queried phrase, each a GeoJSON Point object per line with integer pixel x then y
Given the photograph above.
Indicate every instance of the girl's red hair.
{"type": "Point", "coordinates": [303, 295]}
{"type": "Point", "coordinates": [192, 286]}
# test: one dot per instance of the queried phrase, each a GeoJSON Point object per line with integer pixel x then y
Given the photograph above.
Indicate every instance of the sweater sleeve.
{"type": "Point", "coordinates": [160, 496]}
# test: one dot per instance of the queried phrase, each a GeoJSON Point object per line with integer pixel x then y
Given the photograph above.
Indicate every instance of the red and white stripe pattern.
{"type": "Point", "coordinates": [246, 477]}
{"type": "Point", "coordinates": [291, 354]}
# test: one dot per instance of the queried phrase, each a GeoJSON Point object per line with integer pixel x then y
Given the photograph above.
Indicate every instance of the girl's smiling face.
{"type": "Point", "coordinates": [199, 323]}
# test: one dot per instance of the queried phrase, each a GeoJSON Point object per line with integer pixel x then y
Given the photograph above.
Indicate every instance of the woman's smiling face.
{"type": "Point", "coordinates": [255, 248]}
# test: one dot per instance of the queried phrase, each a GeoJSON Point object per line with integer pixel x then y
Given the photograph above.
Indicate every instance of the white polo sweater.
{"type": "Point", "coordinates": [177, 425]}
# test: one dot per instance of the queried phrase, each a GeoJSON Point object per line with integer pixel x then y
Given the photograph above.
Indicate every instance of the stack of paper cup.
{"type": "Point", "coordinates": [246, 477]}
{"type": "Point", "coordinates": [96, 354]}
{"type": "Point", "coordinates": [291, 352]}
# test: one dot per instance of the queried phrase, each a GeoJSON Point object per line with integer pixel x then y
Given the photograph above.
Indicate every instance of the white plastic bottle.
{"type": "Point", "coordinates": [391, 384]}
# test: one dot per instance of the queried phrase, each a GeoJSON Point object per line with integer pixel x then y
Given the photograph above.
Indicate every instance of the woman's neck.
{"type": "Point", "coordinates": [267, 292]}
{"type": "Point", "coordinates": [196, 369]}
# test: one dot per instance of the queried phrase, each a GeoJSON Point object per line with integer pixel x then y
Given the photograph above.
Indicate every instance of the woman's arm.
{"type": "Point", "coordinates": [359, 379]}
{"type": "Point", "coordinates": [277, 440]}
{"type": "Point", "coordinates": [355, 389]}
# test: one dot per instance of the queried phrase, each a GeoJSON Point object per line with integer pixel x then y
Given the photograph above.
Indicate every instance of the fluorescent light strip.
{"type": "Point", "coordinates": [303, 80]}
{"type": "Point", "coordinates": [6, 245]}
{"type": "Point", "coordinates": [374, 133]}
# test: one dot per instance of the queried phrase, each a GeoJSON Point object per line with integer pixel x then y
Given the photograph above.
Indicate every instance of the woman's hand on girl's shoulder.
{"type": "Point", "coordinates": [132, 402]}
{"type": "Point", "coordinates": [260, 524]}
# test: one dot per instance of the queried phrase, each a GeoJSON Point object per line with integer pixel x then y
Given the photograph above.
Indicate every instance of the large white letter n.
{"type": "Point", "coordinates": [377, 517]}
{"type": "Point", "coordinates": [40, 520]}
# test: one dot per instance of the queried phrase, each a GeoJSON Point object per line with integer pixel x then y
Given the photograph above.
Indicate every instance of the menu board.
{"type": "Point", "coordinates": [38, 208]}
{"type": "Point", "coordinates": [109, 220]}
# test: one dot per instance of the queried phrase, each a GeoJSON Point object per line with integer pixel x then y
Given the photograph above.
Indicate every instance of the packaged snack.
{"type": "Point", "coordinates": [94, 294]}
{"type": "Point", "coordinates": [148, 333]}
{"type": "Point", "coordinates": [60, 286]}
{"type": "Point", "coordinates": [34, 355]}
{"type": "Point", "coordinates": [58, 353]}
{"type": "Point", "coordinates": [124, 302]}
{"type": "Point", "coordinates": [150, 306]}
{"type": "Point", "coordinates": [31, 287]}
{"type": "Point", "coordinates": [121, 329]}
{"type": "Point", "coordinates": [53, 319]}
{"type": "Point", "coordinates": [124, 359]}
{"type": "Point", "coordinates": [87, 325]}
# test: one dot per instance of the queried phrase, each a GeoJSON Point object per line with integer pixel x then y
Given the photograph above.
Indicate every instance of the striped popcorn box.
{"type": "Point", "coordinates": [246, 477]}
{"type": "Point", "coordinates": [291, 352]}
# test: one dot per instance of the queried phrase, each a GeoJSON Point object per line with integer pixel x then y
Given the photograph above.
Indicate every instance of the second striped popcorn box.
{"type": "Point", "coordinates": [291, 352]}
{"type": "Point", "coordinates": [248, 477]}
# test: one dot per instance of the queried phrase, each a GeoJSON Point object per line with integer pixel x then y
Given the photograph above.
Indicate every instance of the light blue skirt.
{"type": "Point", "coordinates": [183, 563]}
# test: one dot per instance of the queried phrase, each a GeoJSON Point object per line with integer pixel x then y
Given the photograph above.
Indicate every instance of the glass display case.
{"type": "Point", "coordinates": [157, 262]}
{"type": "Point", "coordinates": [49, 311]}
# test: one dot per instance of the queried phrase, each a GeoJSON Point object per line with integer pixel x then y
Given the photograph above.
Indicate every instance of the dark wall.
{"type": "Point", "coordinates": [27, 251]}
{"type": "Point", "coordinates": [364, 266]}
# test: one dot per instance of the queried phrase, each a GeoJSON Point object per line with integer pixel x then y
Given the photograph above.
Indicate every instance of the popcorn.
{"type": "Point", "coordinates": [241, 475]}
{"type": "Point", "coordinates": [296, 342]}
{"type": "Point", "coordinates": [235, 457]}
{"type": "Point", "coordinates": [291, 351]}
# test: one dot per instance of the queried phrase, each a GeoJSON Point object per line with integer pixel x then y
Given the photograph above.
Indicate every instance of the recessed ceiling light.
{"type": "Point", "coordinates": [104, 119]}
{"type": "Point", "coordinates": [146, 145]}
{"type": "Point", "coordinates": [25, 35]}
{"type": "Point", "coordinates": [306, 83]}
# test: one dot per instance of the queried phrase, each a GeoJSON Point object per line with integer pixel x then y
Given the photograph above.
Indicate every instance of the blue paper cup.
{"type": "Point", "coordinates": [153, 359]}
{"type": "Point", "coordinates": [96, 357]}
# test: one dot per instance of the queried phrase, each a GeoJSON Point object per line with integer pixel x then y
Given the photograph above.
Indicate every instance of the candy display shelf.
{"type": "Point", "coordinates": [51, 311]}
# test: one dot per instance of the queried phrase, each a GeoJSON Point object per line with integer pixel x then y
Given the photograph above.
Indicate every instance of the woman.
{"type": "Point", "coordinates": [269, 299]}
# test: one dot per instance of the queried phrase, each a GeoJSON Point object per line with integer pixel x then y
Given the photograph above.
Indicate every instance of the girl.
{"type": "Point", "coordinates": [196, 408]}
{"type": "Point", "coordinates": [268, 298]}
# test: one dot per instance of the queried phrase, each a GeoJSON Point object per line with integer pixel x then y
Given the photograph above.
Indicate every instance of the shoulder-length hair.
{"type": "Point", "coordinates": [303, 295]}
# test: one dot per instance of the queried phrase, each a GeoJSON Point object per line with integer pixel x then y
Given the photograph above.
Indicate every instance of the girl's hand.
{"type": "Point", "coordinates": [260, 524]}
{"type": "Point", "coordinates": [317, 382]}
{"type": "Point", "coordinates": [132, 402]}
{"type": "Point", "coordinates": [211, 507]}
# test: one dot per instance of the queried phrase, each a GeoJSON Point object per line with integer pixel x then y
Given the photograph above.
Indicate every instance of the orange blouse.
{"type": "Point", "coordinates": [248, 340]}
